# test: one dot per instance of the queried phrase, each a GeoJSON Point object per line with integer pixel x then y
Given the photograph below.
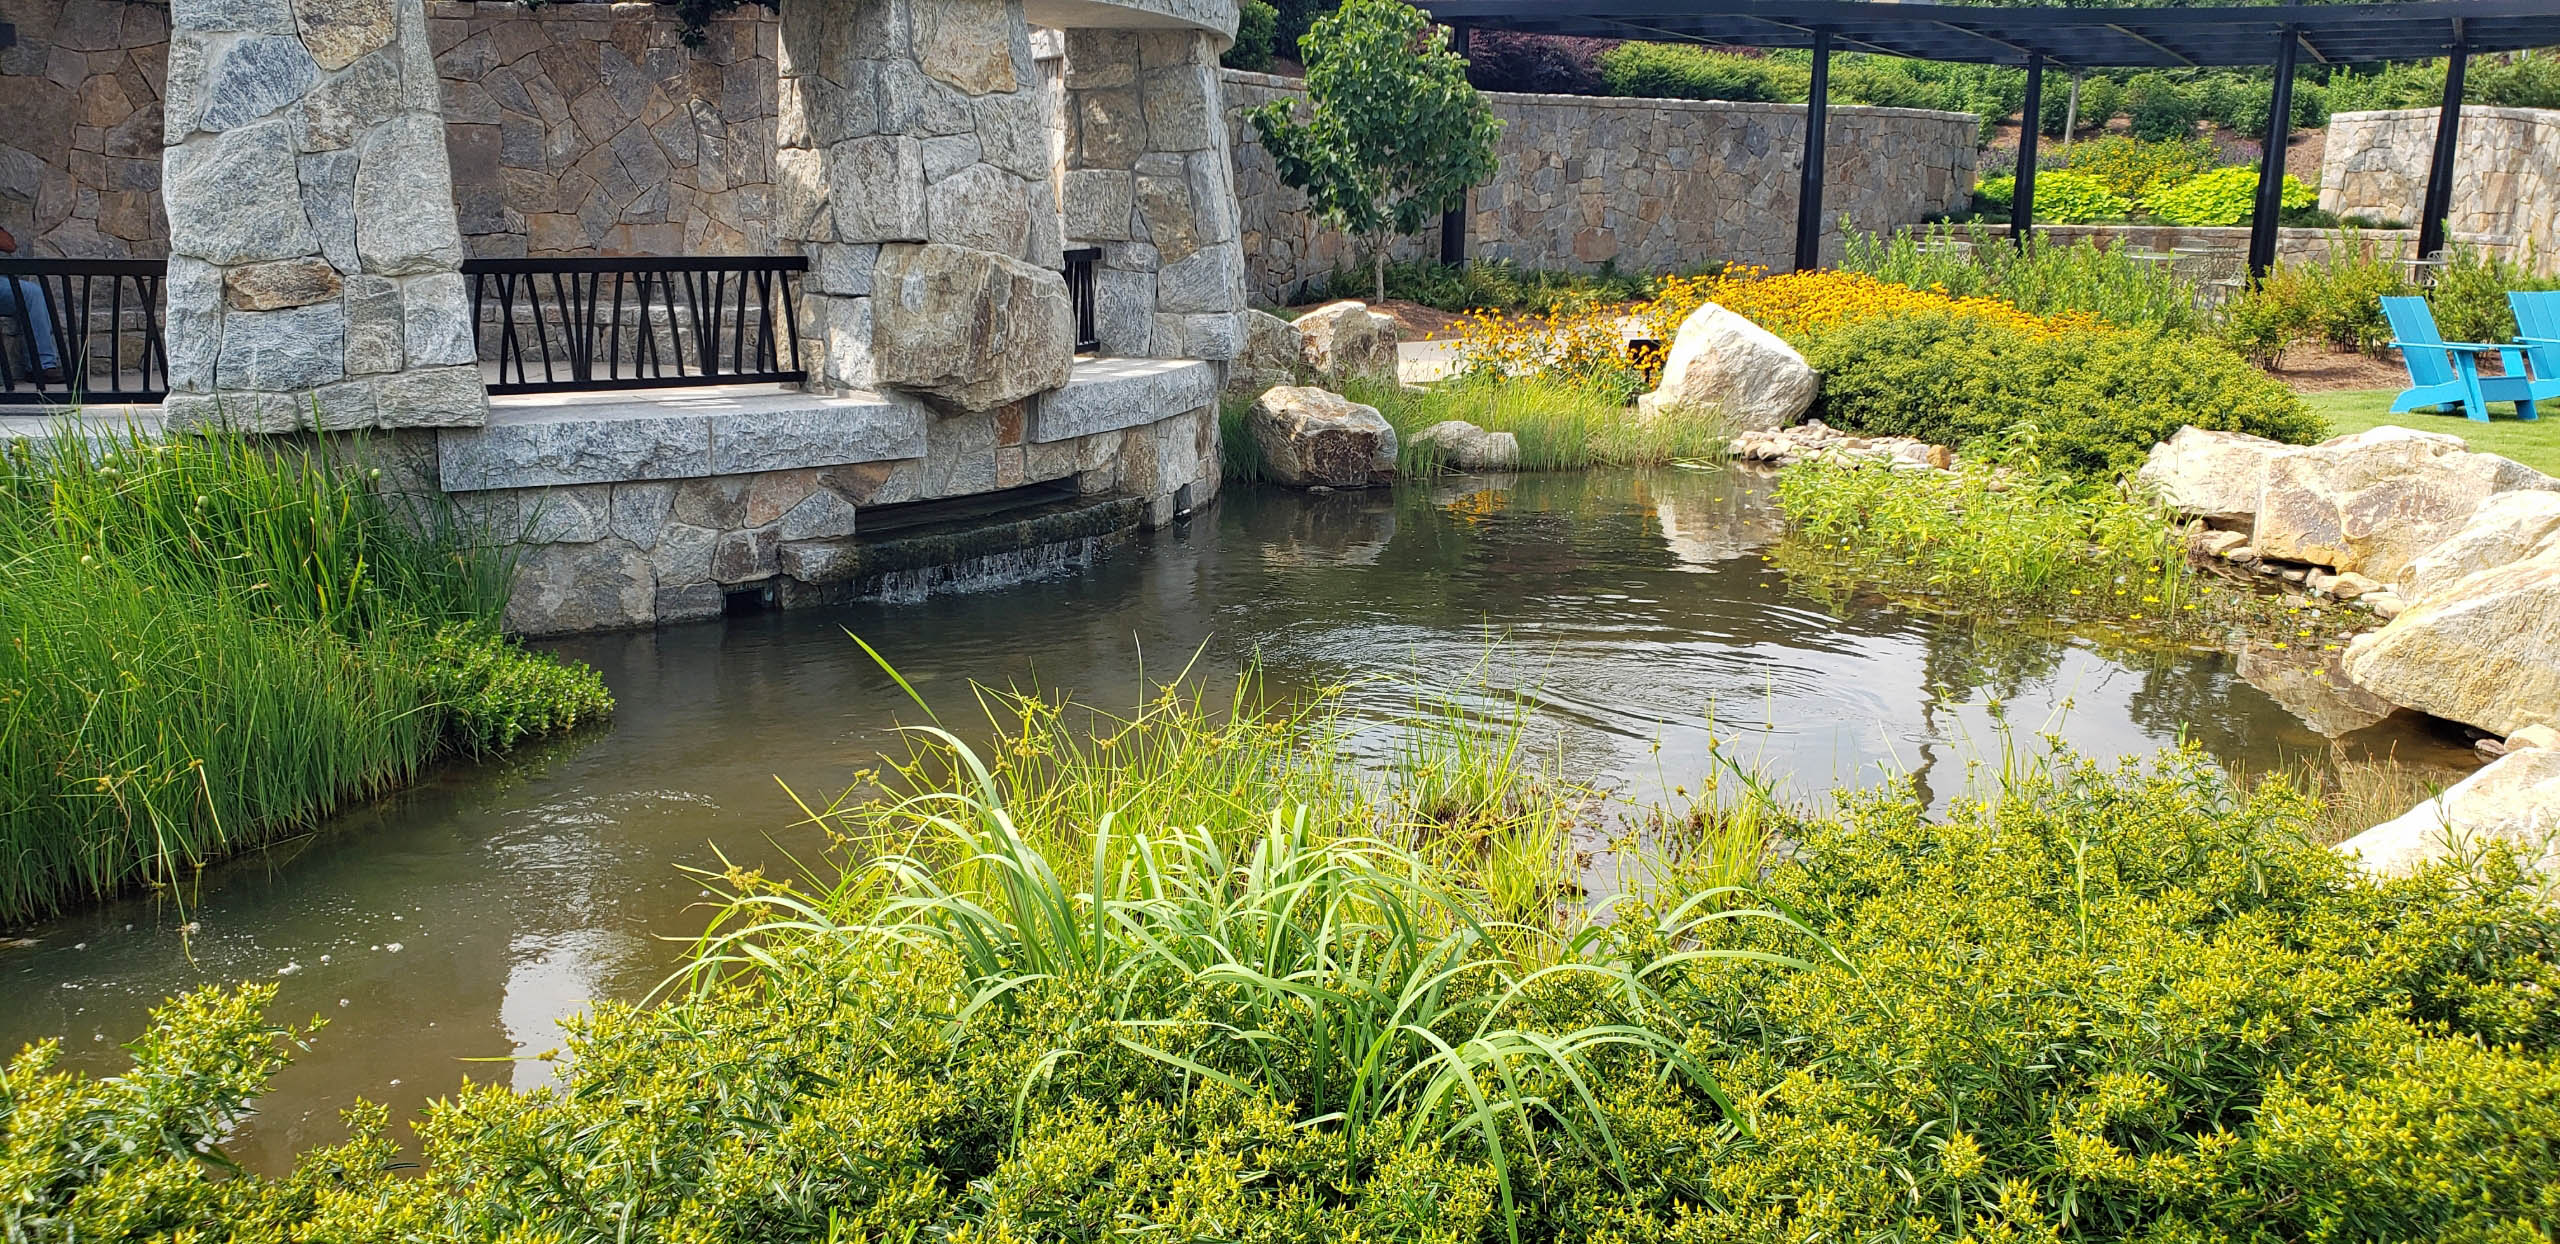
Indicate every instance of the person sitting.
{"type": "Point", "coordinates": [22, 303]}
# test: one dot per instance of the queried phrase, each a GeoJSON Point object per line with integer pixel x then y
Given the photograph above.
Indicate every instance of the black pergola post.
{"type": "Point", "coordinates": [2262, 224]}
{"type": "Point", "coordinates": [1817, 109]}
{"type": "Point", "coordinates": [2439, 200]}
{"type": "Point", "coordinates": [2022, 202]}
{"type": "Point", "coordinates": [1453, 223]}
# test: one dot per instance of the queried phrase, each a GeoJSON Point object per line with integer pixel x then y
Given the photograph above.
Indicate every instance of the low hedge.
{"type": "Point", "coordinates": [2092, 402]}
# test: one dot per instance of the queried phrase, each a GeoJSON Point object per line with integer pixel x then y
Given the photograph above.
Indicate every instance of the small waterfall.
{"type": "Point", "coordinates": [978, 573]}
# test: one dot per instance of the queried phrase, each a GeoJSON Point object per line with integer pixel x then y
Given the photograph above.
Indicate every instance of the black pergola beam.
{"type": "Point", "coordinates": [2263, 222]}
{"type": "Point", "coordinates": [2438, 203]}
{"type": "Point", "coordinates": [2148, 41]}
{"type": "Point", "coordinates": [1817, 114]}
{"type": "Point", "coordinates": [2022, 199]}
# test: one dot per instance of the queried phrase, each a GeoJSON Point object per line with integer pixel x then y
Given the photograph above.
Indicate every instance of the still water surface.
{"type": "Point", "coordinates": [461, 919]}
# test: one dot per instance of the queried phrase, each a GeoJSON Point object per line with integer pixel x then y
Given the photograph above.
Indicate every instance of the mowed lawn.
{"type": "Point", "coordinates": [2535, 443]}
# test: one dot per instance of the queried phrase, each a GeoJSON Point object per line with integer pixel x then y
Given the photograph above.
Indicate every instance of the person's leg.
{"type": "Point", "coordinates": [27, 294]}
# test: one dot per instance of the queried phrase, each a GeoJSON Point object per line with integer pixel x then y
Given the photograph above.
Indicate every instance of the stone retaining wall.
{"type": "Point", "coordinates": [80, 150]}
{"type": "Point", "coordinates": [2506, 185]}
{"type": "Point", "coordinates": [591, 128]}
{"type": "Point", "coordinates": [1651, 184]}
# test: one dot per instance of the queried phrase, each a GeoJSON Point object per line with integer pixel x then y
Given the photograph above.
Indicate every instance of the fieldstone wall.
{"type": "Point", "coordinates": [80, 152]}
{"type": "Point", "coordinates": [591, 129]}
{"type": "Point", "coordinates": [2506, 174]}
{"type": "Point", "coordinates": [1651, 184]}
{"type": "Point", "coordinates": [914, 170]}
{"type": "Point", "coordinates": [1150, 180]}
{"type": "Point", "coordinates": [313, 257]}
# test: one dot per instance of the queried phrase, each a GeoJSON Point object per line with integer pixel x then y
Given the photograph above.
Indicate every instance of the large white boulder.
{"type": "Point", "coordinates": [2375, 501]}
{"type": "Point", "coordinates": [2484, 650]}
{"type": "Point", "coordinates": [2516, 799]}
{"type": "Point", "coordinates": [2509, 528]}
{"type": "Point", "coordinates": [1310, 436]}
{"type": "Point", "coordinates": [2215, 476]}
{"type": "Point", "coordinates": [1463, 446]}
{"type": "Point", "coordinates": [1343, 339]}
{"type": "Point", "coordinates": [1723, 364]}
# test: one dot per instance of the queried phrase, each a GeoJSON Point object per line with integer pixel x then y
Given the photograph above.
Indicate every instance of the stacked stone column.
{"type": "Point", "coordinates": [313, 256]}
{"type": "Point", "coordinates": [1151, 181]}
{"type": "Point", "coordinates": [914, 170]}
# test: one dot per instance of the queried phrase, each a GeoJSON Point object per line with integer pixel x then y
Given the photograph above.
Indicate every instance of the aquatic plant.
{"type": "Point", "coordinates": [207, 642]}
{"type": "Point", "coordinates": [2082, 1004]}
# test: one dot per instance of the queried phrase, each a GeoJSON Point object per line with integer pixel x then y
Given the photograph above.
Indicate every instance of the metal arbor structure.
{"type": "Point", "coordinates": [2070, 39]}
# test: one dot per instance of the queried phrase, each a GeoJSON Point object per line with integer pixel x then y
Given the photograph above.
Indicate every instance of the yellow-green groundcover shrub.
{"type": "Point", "coordinates": [2091, 403]}
{"type": "Point", "coordinates": [2104, 1005]}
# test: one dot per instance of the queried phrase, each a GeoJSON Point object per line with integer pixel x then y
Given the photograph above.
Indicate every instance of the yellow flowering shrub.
{"type": "Point", "coordinates": [1591, 346]}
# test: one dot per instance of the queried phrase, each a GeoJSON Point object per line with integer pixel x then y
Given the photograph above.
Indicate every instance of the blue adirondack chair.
{"type": "Point", "coordinates": [2538, 331]}
{"type": "Point", "coordinates": [2447, 373]}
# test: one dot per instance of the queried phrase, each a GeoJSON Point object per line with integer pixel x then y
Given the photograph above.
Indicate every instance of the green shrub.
{"type": "Point", "coordinates": [2065, 197]}
{"type": "Point", "coordinates": [2083, 1004]}
{"type": "Point", "coordinates": [2000, 191]}
{"type": "Point", "coordinates": [2036, 276]}
{"type": "Point", "coordinates": [2130, 167]}
{"type": "Point", "coordinates": [2337, 301]}
{"type": "Point", "coordinates": [2525, 79]}
{"type": "Point", "coordinates": [1674, 71]}
{"type": "Point", "coordinates": [2101, 101]}
{"type": "Point", "coordinates": [2161, 109]}
{"type": "Point", "coordinates": [1257, 27]}
{"type": "Point", "coordinates": [2093, 403]}
{"type": "Point", "coordinates": [2225, 196]}
{"type": "Point", "coordinates": [491, 692]}
{"type": "Point", "coordinates": [2469, 296]}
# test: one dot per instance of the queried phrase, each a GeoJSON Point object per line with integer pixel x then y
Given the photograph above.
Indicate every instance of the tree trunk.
{"type": "Point", "coordinates": [1378, 268]}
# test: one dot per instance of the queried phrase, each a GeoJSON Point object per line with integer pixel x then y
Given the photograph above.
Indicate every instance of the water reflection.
{"type": "Point", "coordinates": [459, 920]}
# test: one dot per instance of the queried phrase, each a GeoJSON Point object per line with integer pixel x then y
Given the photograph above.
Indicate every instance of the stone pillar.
{"type": "Point", "coordinates": [914, 171]}
{"type": "Point", "coordinates": [1151, 181]}
{"type": "Point", "coordinates": [313, 258]}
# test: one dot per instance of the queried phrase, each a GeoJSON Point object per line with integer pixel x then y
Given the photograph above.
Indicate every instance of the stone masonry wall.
{"type": "Point", "coordinates": [1652, 184]}
{"type": "Point", "coordinates": [1150, 180]}
{"type": "Point", "coordinates": [80, 152]}
{"type": "Point", "coordinates": [313, 256]}
{"type": "Point", "coordinates": [2506, 174]}
{"type": "Point", "coordinates": [592, 129]}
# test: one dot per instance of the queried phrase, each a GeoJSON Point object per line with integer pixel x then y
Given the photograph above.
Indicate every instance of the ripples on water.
{"type": "Point", "coordinates": [1632, 613]}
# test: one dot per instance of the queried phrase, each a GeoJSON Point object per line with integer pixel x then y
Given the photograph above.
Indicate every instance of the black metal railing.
{"type": "Point", "coordinates": [1081, 263]}
{"type": "Point", "coordinates": [558, 325]}
{"type": "Point", "coordinates": [100, 323]}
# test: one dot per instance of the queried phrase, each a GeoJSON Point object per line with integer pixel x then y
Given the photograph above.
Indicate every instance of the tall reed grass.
{"type": "Point", "coordinates": [2039, 275]}
{"type": "Point", "coordinates": [205, 643]}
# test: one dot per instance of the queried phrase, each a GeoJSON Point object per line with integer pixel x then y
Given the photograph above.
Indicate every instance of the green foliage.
{"type": "Point", "coordinates": [2225, 196]}
{"type": "Point", "coordinates": [1560, 426]}
{"type": "Point", "coordinates": [1682, 71]}
{"type": "Point", "coordinates": [493, 692]}
{"type": "Point", "coordinates": [2161, 109]}
{"type": "Point", "coordinates": [210, 641]}
{"type": "Point", "coordinates": [1491, 285]}
{"type": "Point", "coordinates": [1396, 136]}
{"type": "Point", "coordinates": [2091, 403]}
{"type": "Point", "coordinates": [2066, 197]}
{"type": "Point", "coordinates": [1095, 989]}
{"type": "Point", "coordinates": [2101, 101]}
{"type": "Point", "coordinates": [2000, 535]}
{"type": "Point", "coordinates": [2337, 301]}
{"type": "Point", "coordinates": [2469, 296]}
{"type": "Point", "coordinates": [2526, 79]}
{"type": "Point", "coordinates": [1257, 27]}
{"type": "Point", "coordinates": [2038, 276]}
{"type": "Point", "coordinates": [2130, 168]}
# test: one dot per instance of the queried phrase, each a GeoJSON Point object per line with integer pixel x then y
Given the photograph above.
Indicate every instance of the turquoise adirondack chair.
{"type": "Point", "coordinates": [2538, 331]}
{"type": "Point", "coordinates": [2447, 373]}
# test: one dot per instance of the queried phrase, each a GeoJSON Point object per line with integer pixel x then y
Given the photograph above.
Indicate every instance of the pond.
{"type": "Point", "coordinates": [461, 919]}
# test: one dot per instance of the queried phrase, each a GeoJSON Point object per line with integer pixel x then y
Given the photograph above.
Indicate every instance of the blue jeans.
{"type": "Point", "coordinates": [23, 292]}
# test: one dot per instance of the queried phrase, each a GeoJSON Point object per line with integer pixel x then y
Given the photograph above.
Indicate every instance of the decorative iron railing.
{"type": "Point", "coordinates": [1081, 263]}
{"type": "Point", "coordinates": [99, 323]}
{"type": "Point", "coordinates": [560, 325]}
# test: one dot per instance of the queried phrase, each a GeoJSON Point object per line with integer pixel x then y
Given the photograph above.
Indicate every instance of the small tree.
{"type": "Point", "coordinates": [1397, 134]}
